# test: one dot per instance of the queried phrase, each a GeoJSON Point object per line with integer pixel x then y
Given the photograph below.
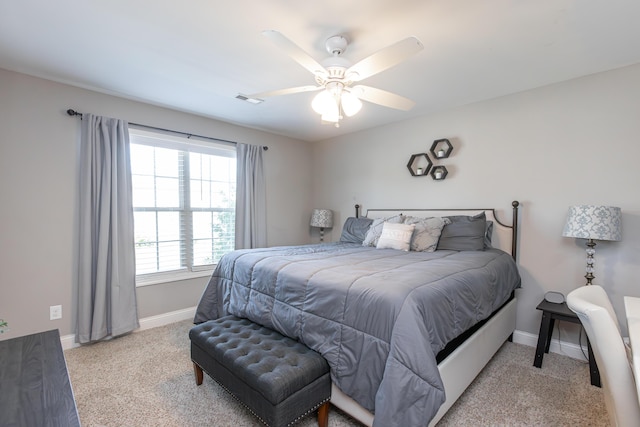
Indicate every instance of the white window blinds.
{"type": "Point", "coordinates": [184, 202]}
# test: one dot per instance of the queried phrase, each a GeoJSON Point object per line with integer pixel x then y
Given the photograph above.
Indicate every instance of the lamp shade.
{"type": "Point", "coordinates": [322, 218]}
{"type": "Point", "coordinates": [594, 222]}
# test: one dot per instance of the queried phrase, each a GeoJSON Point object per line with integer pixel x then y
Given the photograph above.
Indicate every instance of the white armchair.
{"type": "Point", "coordinates": [596, 313]}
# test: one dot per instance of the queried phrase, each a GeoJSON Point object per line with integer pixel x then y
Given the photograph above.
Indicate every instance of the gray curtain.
{"type": "Point", "coordinates": [251, 205]}
{"type": "Point", "coordinates": [106, 257]}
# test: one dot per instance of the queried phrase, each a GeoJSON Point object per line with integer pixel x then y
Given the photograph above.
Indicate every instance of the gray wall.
{"type": "Point", "coordinates": [571, 143]}
{"type": "Point", "coordinates": [576, 142]}
{"type": "Point", "coordinates": [38, 149]}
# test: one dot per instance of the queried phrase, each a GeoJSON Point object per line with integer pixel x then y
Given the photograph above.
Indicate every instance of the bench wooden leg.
{"type": "Point", "coordinates": [198, 371]}
{"type": "Point", "coordinates": [323, 415]}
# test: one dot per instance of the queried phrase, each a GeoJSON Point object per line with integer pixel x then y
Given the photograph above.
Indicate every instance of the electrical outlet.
{"type": "Point", "coordinates": [55, 312]}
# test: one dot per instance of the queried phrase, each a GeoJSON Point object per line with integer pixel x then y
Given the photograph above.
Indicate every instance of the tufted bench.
{"type": "Point", "coordinates": [278, 379]}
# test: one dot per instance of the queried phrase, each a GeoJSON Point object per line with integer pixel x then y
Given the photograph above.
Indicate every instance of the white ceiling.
{"type": "Point", "coordinates": [197, 55]}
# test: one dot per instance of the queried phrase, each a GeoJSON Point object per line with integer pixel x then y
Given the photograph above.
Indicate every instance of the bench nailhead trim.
{"type": "Point", "coordinates": [258, 417]}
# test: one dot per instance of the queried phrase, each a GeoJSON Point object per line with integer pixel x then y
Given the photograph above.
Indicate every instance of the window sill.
{"type": "Point", "coordinates": [177, 276]}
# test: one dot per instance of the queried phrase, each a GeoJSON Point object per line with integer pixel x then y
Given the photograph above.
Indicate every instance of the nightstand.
{"type": "Point", "coordinates": [550, 313]}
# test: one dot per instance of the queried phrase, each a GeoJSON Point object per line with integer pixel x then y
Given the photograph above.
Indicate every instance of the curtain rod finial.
{"type": "Point", "coordinates": [73, 112]}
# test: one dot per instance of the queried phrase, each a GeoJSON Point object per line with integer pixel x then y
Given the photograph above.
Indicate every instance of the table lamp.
{"type": "Point", "coordinates": [322, 218]}
{"type": "Point", "coordinates": [593, 223]}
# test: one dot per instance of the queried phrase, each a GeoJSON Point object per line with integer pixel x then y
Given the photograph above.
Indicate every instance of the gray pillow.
{"type": "Point", "coordinates": [465, 233]}
{"type": "Point", "coordinates": [355, 229]}
{"type": "Point", "coordinates": [374, 232]}
{"type": "Point", "coordinates": [427, 232]}
{"type": "Point", "coordinates": [487, 235]}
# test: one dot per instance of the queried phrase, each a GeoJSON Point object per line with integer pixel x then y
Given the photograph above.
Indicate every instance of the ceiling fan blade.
{"type": "Point", "coordinates": [384, 58]}
{"type": "Point", "coordinates": [295, 52]}
{"type": "Point", "coordinates": [382, 97]}
{"type": "Point", "coordinates": [288, 91]}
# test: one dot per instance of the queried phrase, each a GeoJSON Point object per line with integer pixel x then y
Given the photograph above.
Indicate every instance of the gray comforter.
{"type": "Point", "coordinates": [379, 316]}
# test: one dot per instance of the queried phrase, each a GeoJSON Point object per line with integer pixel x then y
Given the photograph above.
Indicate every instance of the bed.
{"type": "Point", "coordinates": [404, 331]}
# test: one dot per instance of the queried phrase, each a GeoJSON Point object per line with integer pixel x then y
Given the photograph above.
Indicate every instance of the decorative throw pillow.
{"type": "Point", "coordinates": [375, 230]}
{"type": "Point", "coordinates": [355, 230]}
{"type": "Point", "coordinates": [487, 235]}
{"type": "Point", "coordinates": [395, 236]}
{"type": "Point", "coordinates": [465, 233]}
{"type": "Point", "coordinates": [427, 232]}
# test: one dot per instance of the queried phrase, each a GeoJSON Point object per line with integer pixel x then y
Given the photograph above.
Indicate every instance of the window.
{"type": "Point", "coordinates": [183, 202]}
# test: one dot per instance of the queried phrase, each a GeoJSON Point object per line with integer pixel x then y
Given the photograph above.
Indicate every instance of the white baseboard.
{"type": "Point", "coordinates": [69, 341]}
{"type": "Point", "coordinates": [560, 347]}
{"type": "Point", "coordinates": [166, 318]}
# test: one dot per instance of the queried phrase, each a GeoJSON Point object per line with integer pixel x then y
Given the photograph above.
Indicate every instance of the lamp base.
{"type": "Point", "coordinates": [591, 250]}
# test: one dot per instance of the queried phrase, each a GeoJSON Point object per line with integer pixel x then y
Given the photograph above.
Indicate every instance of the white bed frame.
{"type": "Point", "coordinates": [460, 367]}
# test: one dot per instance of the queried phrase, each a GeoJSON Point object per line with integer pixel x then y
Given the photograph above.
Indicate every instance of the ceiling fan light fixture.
{"type": "Point", "coordinates": [350, 104]}
{"type": "Point", "coordinates": [333, 101]}
{"type": "Point", "coordinates": [331, 113]}
{"type": "Point", "coordinates": [331, 116]}
{"type": "Point", "coordinates": [323, 102]}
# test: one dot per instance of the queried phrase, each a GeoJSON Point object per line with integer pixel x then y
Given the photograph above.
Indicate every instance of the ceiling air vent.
{"type": "Point", "coordinates": [249, 100]}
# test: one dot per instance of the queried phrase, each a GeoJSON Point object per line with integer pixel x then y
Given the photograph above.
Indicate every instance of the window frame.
{"type": "Point", "coordinates": [185, 146]}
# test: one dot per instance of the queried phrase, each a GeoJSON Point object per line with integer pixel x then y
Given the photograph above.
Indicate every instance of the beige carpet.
{"type": "Point", "coordinates": [146, 379]}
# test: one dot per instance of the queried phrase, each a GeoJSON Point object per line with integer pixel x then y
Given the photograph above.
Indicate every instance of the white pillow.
{"type": "Point", "coordinates": [395, 236]}
{"type": "Point", "coordinates": [427, 232]}
{"type": "Point", "coordinates": [375, 230]}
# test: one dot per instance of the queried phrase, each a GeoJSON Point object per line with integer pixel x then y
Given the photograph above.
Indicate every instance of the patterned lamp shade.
{"type": "Point", "coordinates": [594, 222]}
{"type": "Point", "coordinates": [322, 218]}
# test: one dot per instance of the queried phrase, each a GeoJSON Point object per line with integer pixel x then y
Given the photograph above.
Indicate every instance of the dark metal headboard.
{"type": "Point", "coordinates": [491, 214]}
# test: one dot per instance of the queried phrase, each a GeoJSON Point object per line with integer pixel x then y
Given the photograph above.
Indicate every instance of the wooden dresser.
{"type": "Point", "coordinates": [34, 384]}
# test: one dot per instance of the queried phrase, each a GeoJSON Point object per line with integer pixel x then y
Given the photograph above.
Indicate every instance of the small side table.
{"type": "Point", "coordinates": [550, 313]}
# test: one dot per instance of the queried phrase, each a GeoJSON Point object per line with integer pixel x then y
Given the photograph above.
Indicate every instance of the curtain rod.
{"type": "Point", "coordinates": [72, 112]}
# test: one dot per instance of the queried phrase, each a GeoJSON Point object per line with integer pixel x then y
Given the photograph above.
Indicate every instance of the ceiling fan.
{"type": "Point", "coordinates": [336, 75]}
